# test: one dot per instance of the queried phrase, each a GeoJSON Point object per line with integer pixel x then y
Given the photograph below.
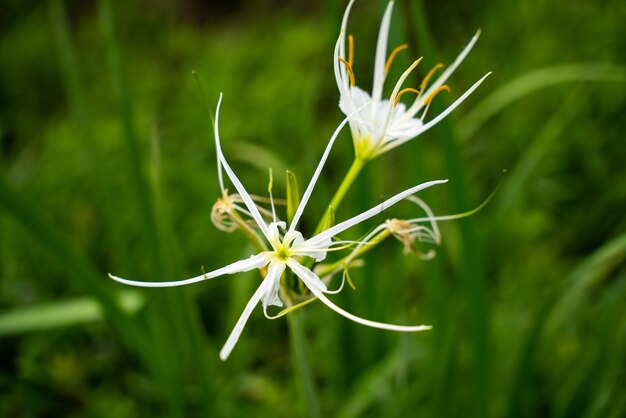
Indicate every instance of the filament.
{"type": "Point", "coordinates": [349, 67]}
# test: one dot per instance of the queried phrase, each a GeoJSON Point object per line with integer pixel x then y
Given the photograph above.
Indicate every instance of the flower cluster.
{"type": "Point", "coordinates": [377, 125]}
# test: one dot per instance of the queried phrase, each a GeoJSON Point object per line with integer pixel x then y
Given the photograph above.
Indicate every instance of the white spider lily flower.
{"type": "Point", "coordinates": [286, 247]}
{"type": "Point", "coordinates": [387, 123]}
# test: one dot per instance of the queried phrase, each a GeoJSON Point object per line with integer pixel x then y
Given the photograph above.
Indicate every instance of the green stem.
{"type": "Point", "coordinates": [301, 363]}
{"type": "Point", "coordinates": [353, 172]}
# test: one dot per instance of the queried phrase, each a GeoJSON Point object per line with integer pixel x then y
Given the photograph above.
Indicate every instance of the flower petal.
{"type": "Point", "coordinates": [254, 262]}
{"type": "Point", "coordinates": [342, 226]}
{"type": "Point", "coordinates": [452, 67]}
{"type": "Point", "coordinates": [381, 54]}
{"type": "Point", "coordinates": [392, 144]}
{"type": "Point", "coordinates": [341, 73]}
{"type": "Point", "coordinates": [241, 322]}
{"type": "Point", "coordinates": [254, 211]}
{"type": "Point", "coordinates": [318, 170]}
{"type": "Point", "coordinates": [445, 75]}
{"type": "Point", "coordinates": [274, 271]}
{"type": "Point", "coordinates": [311, 281]}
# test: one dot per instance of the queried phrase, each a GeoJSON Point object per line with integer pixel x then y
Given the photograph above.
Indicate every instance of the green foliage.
{"type": "Point", "coordinates": [108, 165]}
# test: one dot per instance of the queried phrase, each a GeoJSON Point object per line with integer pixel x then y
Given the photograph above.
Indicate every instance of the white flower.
{"type": "Point", "coordinates": [387, 123]}
{"type": "Point", "coordinates": [286, 247]}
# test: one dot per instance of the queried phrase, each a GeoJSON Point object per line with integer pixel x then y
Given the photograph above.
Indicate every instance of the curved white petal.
{"type": "Point", "coordinates": [318, 170]}
{"type": "Point", "coordinates": [254, 262]}
{"type": "Point", "coordinates": [241, 322]}
{"type": "Point", "coordinates": [341, 73]}
{"type": "Point", "coordinates": [437, 119]}
{"type": "Point", "coordinates": [316, 250]}
{"type": "Point", "coordinates": [311, 281]}
{"type": "Point", "coordinates": [381, 54]}
{"type": "Point", "coordinates": [274, 271]}
{"type": "Point", "coordinates": [254, 211]}
{"type": "Point", "coordinates": [452, 67]}
{"type": "Point", "coordinates": [446, 74]}
{"type": "Point", "coordinates": [342, 226]}
{"type": "Point", "coordinates": [309, 278]}
{"type": "Point", "coordinates": [391, 104]}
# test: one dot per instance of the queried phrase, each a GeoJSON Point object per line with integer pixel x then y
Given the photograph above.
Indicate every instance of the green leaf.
{"type": "Point", "coordinates": [63, 313]}
{"type": "Point", "coordinates": [293, 195]}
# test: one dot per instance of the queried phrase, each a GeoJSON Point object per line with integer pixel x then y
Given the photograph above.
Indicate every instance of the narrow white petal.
{"type": "Point", "coordinates": [341, 74]}
{"type": "Point", "coordinates": [254, 211]}
{"type": "Point", "coordinates": [274, 271]}
{"type": "Point", "coordinates": [396, 90]}
{"type": "Point", "coordinates": [344, 25]}
{"type": "Point", "coordinates": [392, 144]}
{"type": "Point", "coordinates": [308, 277]}
{"type": "Point", "coordinates": [254, 262]}
{"type": "Point", "coordinates": [311, 280]}
{"type": "Point", "coordinates": [340, 227]}
{"type": "Point", "coordinates": [446, 74]}
{"type": "Point", "coordinates": [236, 332]}
{"type": "Point", "coordinates": [318, 170]}
{"type": "Point", "coordinates": [381, 54]}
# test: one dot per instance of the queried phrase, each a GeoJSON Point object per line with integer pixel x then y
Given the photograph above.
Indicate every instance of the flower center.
{"type": "Point", "coordinates": [281, 251]}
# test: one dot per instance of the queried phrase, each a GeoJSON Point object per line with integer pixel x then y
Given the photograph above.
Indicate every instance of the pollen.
{"type": "Point", "coordinates": [350, 72]}
{"type": "Point", "coordinates": [429, 76]}
{"type": "Point", "coordinates": [393, 55]}
{"type": "Point", "coordinates": [432, 95]}
{"type": "Point", "coordinates": [406, 90]}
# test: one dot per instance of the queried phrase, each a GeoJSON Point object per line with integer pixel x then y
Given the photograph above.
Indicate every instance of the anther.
{"type": "Point", "coordinates": [439, 89]}
{"type": "Point", "coordinates": [393, 55]}
{"type": "Point", "coordinates": [406, 90]}
{"type": "Point", "coordinates": [429, 76]}
{"type": "Point", "coordinates": [350, 72]}
{"type": "Point", "coordinates": [350, 50]}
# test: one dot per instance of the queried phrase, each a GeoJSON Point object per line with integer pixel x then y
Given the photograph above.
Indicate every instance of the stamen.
{"type": "Point", "coordinates": [406, 90]}
{"type": "Point", "coordinates": [349, 67]}
{"type": "Point", "coordinates": [393, 55]}
{"type": "Point", "coordinates": [429, 76]}
{"type": "Point", "coordinates": [350, 50]}
{"type": "Point", "coordinates": [439, 89]}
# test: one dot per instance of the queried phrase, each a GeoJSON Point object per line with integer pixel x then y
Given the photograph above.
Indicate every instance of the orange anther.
{"type": "Point", "coordinates": [350, 50]}
{"type": "Point", "coordinates": [432, 95]}
{"type": "Point", "coordinates": [406, 90]}
{"type": "Point", "coordinates": [393, 55]}
{"type": "Point", "coordinates": [429, 76]}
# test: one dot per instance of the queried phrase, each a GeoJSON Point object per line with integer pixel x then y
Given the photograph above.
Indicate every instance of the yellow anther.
{"type": "Point", "coordinates": [393, 55]}
{"type": "Point", "coordinates": [429, 76]}
{"type": "Point", "coordinates": [406, 90]}
{"type": "Point", "coordinates": [431, 96]}
{"type": "Point", "coordinates": [350, 50]}
{"type": "Point", "coordinates": [349, 67]}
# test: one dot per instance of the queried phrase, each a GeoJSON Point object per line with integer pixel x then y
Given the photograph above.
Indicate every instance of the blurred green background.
{"type": "Point", "coordinates": [108, 166]}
